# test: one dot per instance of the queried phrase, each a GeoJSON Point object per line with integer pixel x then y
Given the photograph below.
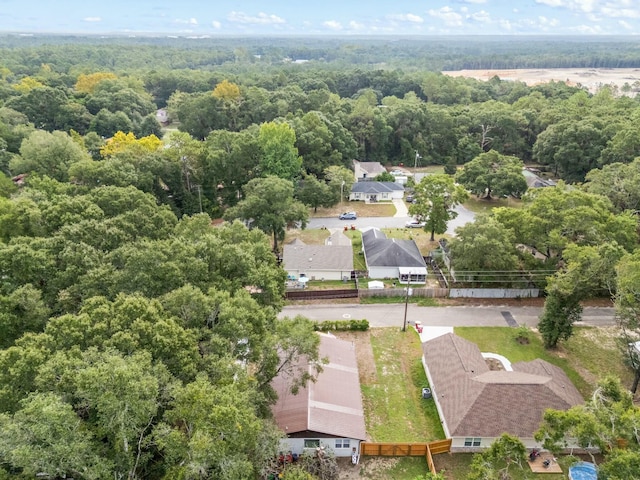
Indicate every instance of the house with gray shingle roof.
{"type": "Point", "coordinates": [376, 191]}
{"type": "Point", "coordinates": [327, 412]}
{"type": "Point", "coordinates": [393, 258]}
{"type": "Point", "coordinates": [332, 261]}
{"type": "Point", "coordinates": [477, 404]}
{"type": "Point", "coordinates": [367, 170]}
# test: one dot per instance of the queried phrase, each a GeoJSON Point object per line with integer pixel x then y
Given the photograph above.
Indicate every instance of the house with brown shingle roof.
{"type": "Point", "coordinates": [477, 404]}
{"type": "Point", "coordinates": [332, 261]}
{"type": "Point", "coordinates": [327, 412]}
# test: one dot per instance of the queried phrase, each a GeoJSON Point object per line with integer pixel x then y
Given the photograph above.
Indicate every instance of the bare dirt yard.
{"type": "Point", "coordinates": [590, 78]}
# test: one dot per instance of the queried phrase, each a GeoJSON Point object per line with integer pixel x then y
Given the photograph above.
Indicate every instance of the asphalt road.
{"type": "Point", "coordinates": [390, 315]}
{"type": "Point", "coordinates": [464, 216]}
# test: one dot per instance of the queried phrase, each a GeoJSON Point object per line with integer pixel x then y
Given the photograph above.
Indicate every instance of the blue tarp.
{"type": "Point", "coordinates": [583, 471]}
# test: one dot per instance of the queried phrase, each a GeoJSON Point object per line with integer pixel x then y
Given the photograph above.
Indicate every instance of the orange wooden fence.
{"type": "Point", "coordinates": [426, 450]}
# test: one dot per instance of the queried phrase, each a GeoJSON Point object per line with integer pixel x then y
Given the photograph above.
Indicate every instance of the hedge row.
{"type": "Point", "coordinates": [342, 325]}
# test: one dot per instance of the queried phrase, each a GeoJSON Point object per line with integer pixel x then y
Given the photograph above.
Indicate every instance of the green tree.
{"type": "Point", "coordinates": [121, 396]}
{"type": "Point", "coordinates": [436, 197]}
{"type": "Point", "coordinates": [484, 251]}
{"type": "Point", "coordinates": [315, 193]}
{"type": "Point", "coordinates": [269, 205]}
{"type": "Point", "coordinates": [607, 418]}
{"type": "Point", "coordinates": [493, 174]}
{"type": "Point", "coordinates": [48, 154]}
{"type": "Point", "coordinates": [47, 436]}
{"type": "Point", "coordinates": [619, 182]}
{"type": "Point", "coordinates": [498, 461]}
{"type": "Point", "coordinates": [385, 177]}
{"type": "Point", "coordinates": [572, 148]}
{"type": "Point", "coordinates": [560, 312]}
{"type": "Point", "coordinates": [209, 431]}
{"type": "Point", "coordinates": [627, 304]}
{"type": "Point", "coordinates": [340, 180]}
{"type": "Point", "coordinates": [279, 153]}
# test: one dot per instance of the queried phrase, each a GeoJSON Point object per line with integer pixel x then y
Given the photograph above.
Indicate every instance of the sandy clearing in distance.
{"type": "Point", "coordinates": [591, 78]}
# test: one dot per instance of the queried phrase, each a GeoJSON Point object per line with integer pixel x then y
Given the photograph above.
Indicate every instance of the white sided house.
{"type": "Point", "coordinates": [325, 413]}
{"type": "Point", "coordinates": [393, 258]}
{"type": "Point", "coordinates": [376, 191]}
{"type": "Point", "coordinates": [478, 404]}
{"type": "Point", "coordinates": [332, 261]}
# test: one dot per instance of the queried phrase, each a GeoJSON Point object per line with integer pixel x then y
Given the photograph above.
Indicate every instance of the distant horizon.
{"type": "Point", "coordinates": [194, 18]}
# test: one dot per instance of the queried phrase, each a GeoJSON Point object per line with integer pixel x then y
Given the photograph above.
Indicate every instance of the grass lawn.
{"type": "Point", "coordinates": [420, 301]}
{"type": "Point", "coordinates": [394, 408]}
{"type": "Point", "coordinates": [377, 209]}
{"type": "Point", "coordinates": [586, 357]}
{"type": "Point", "coordinates": [479, 205]}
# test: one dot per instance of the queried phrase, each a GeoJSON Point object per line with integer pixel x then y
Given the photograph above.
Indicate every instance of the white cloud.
{"type": "Point", "coordinates": [353, 25]}
{"type": "Point", "coordinates": [92, 19]}
{"type": "Point", "coordinates": [625, 25]}
{"type": "Point", "coordinates": [333, 25]}
{"type": "Point", "coordinates": [189, 21]}
{"type": "Point", "coordinates": [481, 16]}
{"type": "Point", "coordinates": [406, 17]}
{"type": "Point", "coordinates": [548, 22]}
{"type": "Point", "coordinates": [216, 24]}
{"type": "Point", "coordinates": [588, 29]}
{"type": "Point", "coordinates": [261, 18]}
{"type": "Point", "coordinates": [448, 16]}
{"type": "Point", "coordinates": [620, 12]}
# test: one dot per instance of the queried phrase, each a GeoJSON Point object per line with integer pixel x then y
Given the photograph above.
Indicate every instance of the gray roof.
{"type": "Point", "coordinates": [338, 238]}
{"type": "Point", "coordinates": [380, 251]}
{"type": "Point", "coordinates": [333, 404]}
{"type": "Point", "coordinates": [376, 187]}
{"type": "Point", "coordinates": [372, 168]}
{"type": "Point", "coordinates": [478, 402]}
{"type": "Point", "coordinates": [298, 256]}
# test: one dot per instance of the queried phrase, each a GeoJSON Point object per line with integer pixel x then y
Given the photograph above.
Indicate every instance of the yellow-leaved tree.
{"type": "Point", "coordinates": [127, 142]}
{"type": "Point", "coordinates": [88, 83]}
{"type": "Point", "coordinates": [227, 91]}
{"type": "Point", "coordinates": [27, 84]}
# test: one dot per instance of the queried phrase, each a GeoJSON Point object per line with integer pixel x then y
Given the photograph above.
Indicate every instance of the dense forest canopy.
{"type": "Point", "coordinates": [422, 53]}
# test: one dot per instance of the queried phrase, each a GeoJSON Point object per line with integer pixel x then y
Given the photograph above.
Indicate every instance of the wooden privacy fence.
{"type": "Point", "coordinates": [426, 450]}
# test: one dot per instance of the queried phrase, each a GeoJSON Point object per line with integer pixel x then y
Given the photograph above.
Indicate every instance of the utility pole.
{"type": "Point", "coordinates": [406, 304]}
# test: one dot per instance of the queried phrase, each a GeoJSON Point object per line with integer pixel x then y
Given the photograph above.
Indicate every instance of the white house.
{"type": "Point", "coordinates": [376, 191]}
{"type": "Point", "coordinates": [327, 412]}
{"type": "Point", "coordinates": [332, 261]}
{"type": "Point", "coordinates": [393, 258]}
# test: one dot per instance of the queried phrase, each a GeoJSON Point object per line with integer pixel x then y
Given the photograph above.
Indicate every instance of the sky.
{"type": "Point", "coordinates": [322, 17]}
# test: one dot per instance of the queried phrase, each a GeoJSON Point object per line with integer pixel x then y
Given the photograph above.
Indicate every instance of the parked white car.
{"type": "Point", "coordinates": [414, 224]}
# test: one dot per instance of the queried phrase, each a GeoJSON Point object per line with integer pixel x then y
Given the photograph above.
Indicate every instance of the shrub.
{"type": "Point", "coordinates": [342, 325]}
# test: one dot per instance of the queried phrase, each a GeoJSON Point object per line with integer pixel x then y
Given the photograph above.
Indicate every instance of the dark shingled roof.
{"type": "Point", "coordinates": [478, 402]}
{"type": "Point", "coordinates": [381, 251]}
{"type": "Point", "coordinates": [333, 404]}
{"type": "Point", "coordinates": [376, 187]}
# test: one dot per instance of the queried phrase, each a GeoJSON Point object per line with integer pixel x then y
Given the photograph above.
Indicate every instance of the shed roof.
{"type": "Point", "coordinates": [333, 404]}
{"type": "Point", "coordinates": [478, 402]}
